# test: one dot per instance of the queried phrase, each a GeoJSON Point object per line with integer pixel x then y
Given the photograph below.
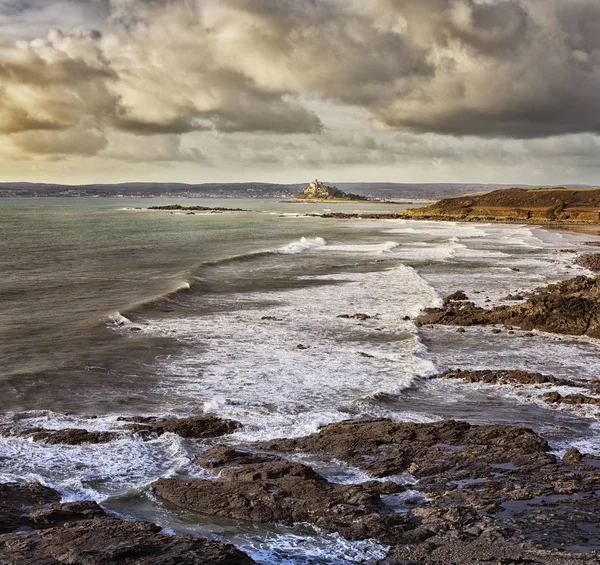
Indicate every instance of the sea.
{"type": "Point", "coordinates": [109, 309]}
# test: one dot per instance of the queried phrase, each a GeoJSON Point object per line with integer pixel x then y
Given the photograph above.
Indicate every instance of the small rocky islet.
{"type": "Point", "coordinates": [446, 492]}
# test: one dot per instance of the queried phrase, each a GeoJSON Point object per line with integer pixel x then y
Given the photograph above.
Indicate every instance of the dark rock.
{"type": "Point", "coordinates": [461, 330]}
{"type": "Point", "coordinates": [572, 456]}
{"type": "Point", "coordinates": [72, 436]}
{"type": "Point", "coordinates": [286, 492]}
{"type": "Point", "coordinates": [457, 296]}
{"type": "Point", "coordinates": [581, 399]}
{"type": "Point", "coordinates": [271, 319]}
{"type": "Point", "coordinates": [496, 331]}
{"type": "Point", "coordinates": [384, 448]}
{"type": "Point", "coordinates": [223, 456]}
{"type": "Point", "coordinates": [552, 397]}
{"type": "Point", "coordinates": [569, 307]}
{"type": "Point", "coordinates": [58, 514]}
{"type": "Point", "coordinates": [203, 426]}
{"type": "Point", "coordinates": [513, 297]}
{"type": "Point", "coordinates": [18, 500]}
{"type": "Point", "coordinates": [590, 261]}
{"type": "Point", "coordinates": [502, 377]}
{"type": "Point", "coordinates": [180, 208]}
{"type": "Point", "coordinates": [302, 347]}
{"type": "Point", "coordinates": [358, 316]}
{"type": "Point", "coordinates": [109, 541]}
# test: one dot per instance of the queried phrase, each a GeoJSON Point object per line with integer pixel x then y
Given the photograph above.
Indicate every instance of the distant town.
{"type": "Point", "coordinates": [382, 191]}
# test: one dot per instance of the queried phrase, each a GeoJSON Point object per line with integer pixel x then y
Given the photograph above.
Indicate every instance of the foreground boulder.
{"type": "Point", "coordinates": [194, 427]}
{"type": "Point", "coordinates": [286, 492]}
{"type": "Point", "coordinates": [17, 501]}
{"type": "Point", "coordinates": [570, 307]}
{"type": "Point", "coordinates": [81, 533]}
{"type": "Point", "coordinates": [109, 541]}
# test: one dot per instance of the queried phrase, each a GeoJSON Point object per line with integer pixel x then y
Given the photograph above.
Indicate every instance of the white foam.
{"type": "Point", "coordinates": [251, 369]}
{"type": "Point", "coordinates": [117, 319]}
{"type": "Point", "coordinates": [298, 549]}
{"type": "Point", "coordinates": [363, 248]}
{"type": "Point", "coordinates": [301, 245]}
{"type": "Point", "coordinates": [93, 471]}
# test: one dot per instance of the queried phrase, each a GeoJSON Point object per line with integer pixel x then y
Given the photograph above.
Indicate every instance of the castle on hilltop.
{"type": "Point", "coordinates": [316, 190]}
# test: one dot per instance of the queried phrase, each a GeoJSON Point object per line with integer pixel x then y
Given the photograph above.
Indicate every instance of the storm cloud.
{"type": "Point", "coordinates": [487, 69]}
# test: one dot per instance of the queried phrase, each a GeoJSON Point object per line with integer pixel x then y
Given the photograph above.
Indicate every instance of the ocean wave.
{"type": "Point", "coordinates": [301, 245]}
{"type": "Point", "coordinates": [364, 248]}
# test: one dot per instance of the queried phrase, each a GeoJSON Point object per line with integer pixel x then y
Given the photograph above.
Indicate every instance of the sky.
{"type": "Point", "coordinates": [496, 91]}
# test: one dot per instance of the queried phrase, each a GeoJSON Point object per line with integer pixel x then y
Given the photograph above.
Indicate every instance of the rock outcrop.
{"type": "Point", "coordinates": [286, 492]}
{"type": "Point", "coordinates": [502, 377]}
{"type": "Point", "coordinates": [195, 427]}
{"type": "Point", "coordinates": [81, 533]}
{"type": "Point", "coordinates": [569, 307]}
{"type": "Point", "coordinates": [73, 436]}
{"type": "Point", "coordinates": [590, 261]}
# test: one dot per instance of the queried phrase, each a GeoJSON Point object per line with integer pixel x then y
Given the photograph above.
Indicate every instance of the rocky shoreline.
{"type": "Point", "coordinates": [440, 493]}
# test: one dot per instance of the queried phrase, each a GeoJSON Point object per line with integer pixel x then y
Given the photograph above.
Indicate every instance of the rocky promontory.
{"type": "Point", "coordinates": [543, 205]}
{"type": "Point", "coordinates": [442, 493]}
{"type": "Point", "coordinates": [570, 307]}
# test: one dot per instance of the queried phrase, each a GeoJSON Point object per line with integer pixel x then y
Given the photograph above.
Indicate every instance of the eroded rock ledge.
{"type": "Point", "coordinates": [81, 533]}
{"type": "Point", "coordinates": [202, 426]}
{"type": "Point", "coordinates": [482, 492]}
{"type": "Point", "coordinates": [570, 307]}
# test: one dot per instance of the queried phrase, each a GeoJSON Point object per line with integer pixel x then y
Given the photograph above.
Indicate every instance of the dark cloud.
{"type": "Point", "coordinates": [492, 69]}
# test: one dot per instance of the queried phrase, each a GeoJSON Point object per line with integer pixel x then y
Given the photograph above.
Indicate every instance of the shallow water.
{"type": "Point", "coordinates": [111, 310]}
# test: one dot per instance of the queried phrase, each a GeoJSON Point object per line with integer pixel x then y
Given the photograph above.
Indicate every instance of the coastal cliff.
{"type": "Point", "coordinates": [536, 205]}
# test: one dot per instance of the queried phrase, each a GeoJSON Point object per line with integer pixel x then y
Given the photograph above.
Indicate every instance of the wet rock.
{"type": "Point", "coordinates": [552, 397]}
{"type": "Point", "coordinates": [484, 483]}
{"type": "Point", "coordinates": [569, 307]}
{"type": "Point", "coordinates": [513, 297]}
{"type": "Point", "coordinates": [468, 549]}
{"type": "Point", "coordinates": [271, 319]}
{"type": "Point", "coordinates": [73, 436]}
{"type": "Point", "coordinates": [198, 427]}
{"type": "Point", "coordinates": [359, 316]}
{"type": "Point", "coordinates": [461, 331]}
{"type": "Point", "coordinates": [109, 541]}
{"type": "Point", "coordinates": [17, 501]}
{"type": "Point", "coordinates": [302, 347]}
{"type": "Point", "coordinates": [502, 377]}
{"type": "Point", "coordinates": [573, 399]}
{"type": "Point", "coordinates": [590, 261]}
{"type": "Point", "coordinates": [286, 492]}
{"type": "Point", "coordinates": [580, 399]}
{"type": "Point", "coordinates": [221, 456]}
{"type": "Point", "coordinates": [383, 448]}
{"type": "Point", "coordinates": [58, 514]}
{"type": "Point", "coordinates": [457, 296]}
{"type": "Point", "coordinates": [572, 456]}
